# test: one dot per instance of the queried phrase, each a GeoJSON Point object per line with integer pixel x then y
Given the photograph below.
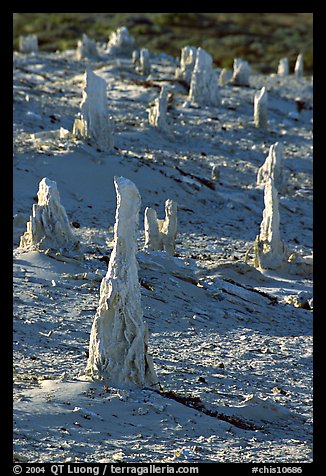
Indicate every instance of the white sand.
{"type": "Point", "coordinates": [245, 353]}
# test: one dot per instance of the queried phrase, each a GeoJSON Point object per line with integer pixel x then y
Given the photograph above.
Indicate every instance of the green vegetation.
{"type": "Point", "coordinates": [260, 38]}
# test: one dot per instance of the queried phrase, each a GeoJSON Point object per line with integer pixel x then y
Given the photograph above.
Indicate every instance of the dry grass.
{"type": "Point", "coordinates": [260, 38]}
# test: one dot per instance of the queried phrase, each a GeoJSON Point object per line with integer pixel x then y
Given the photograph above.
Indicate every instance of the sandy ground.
{"type": "Point", "coordinates": [220, 330]}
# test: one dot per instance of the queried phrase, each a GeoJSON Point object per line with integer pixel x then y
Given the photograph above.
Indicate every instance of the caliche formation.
{"type": "Point", "coordinates": [118, 353]}
{"type": "Point", "coordinates": [225, 77]}
{"type": "Point", "coordinates": [283, 67]}
{"type": "Point", "coordinates": [187, 64]}
{"type": "Point", "coordinates": [273, 168]}
{"type": "Point", "coordinates": [28, 44]}
{"type": "Point", "coordinates": [121, 43]}
{"type": "Point", "coordinates": [270, 251]}
{"type": "Point", "coordinates": [241, 72]}
{"type": "Point", "coordinates": [94, 123]}
{"type": "Point", "coordinates": [261, 109]}
{"type": "Point", "coordinates": [143, 63]}
{"type": "Point", "coordinates": [161, 234]}
{"type": "Point", "coordinates": [86, 48]}
{"type": "Point", "coordinates": [48, 227]}
{"type": "Point", "coordinates": [204, 89]}
{"type": "Point", "coordinates": [157, 115]}
{"type": "Point", "coordinates": [298, 68]}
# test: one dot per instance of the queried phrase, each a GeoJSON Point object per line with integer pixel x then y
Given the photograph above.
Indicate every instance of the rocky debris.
{"type": "Point", "coordinates": [135, 57]}
{"type": "Point", "coordinates": [301, 264]}
{"type": "Point", "coordinates": [264, 410]}
{"type": "Point", "coordinates": [215, 173]}
{"type": "Point", "coordinates": [303, 300]}
{"type": "Point", "coordinates": [53, 135]}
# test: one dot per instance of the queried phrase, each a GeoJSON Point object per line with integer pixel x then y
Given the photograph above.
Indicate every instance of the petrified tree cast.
{"type": "Point", "coordinates": [187, 63]}
{"type": "Point", "coordinates": [273, 167]}
{"type": "Point", "coordinates": [157, 115]}
{"type": "Point", "coordinates": [225, 77]}
{"type": "Point", "coordinates": [86, 48]}
{"type": "Point", "coordinates": [261, 108]}
{"type": "Point", "coordinates": [121, 43]}
{"type": "Point", "coordinates": [144, 66]}
{"type": "Point", "coordinates": [298, 68]}
{"type": "Point", "coordinates": [241, 72]}
{"type": "Point", "coordinates": [283, 67]}
{"type": "Point", "coordinates": [94, 123]}
{"type": "Point", "coordinates": [118, 352]}
{"type": "Point", "coordinates": [270, 251]}
{"type": "Point", "coordinates": [28, 44]}
{"type": "Point", "coordinates": [161, 234]}
{"type": "Point", "coordinates": [48, 227]}
{"type": "Point", "coordinates": [204, 89]}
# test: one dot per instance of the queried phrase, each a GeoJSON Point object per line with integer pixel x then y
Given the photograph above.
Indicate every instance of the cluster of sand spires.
{"type": "Point", "coordinates": [118, 351]}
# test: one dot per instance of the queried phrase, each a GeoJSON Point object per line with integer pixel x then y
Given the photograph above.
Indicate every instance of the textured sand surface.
{"type": "Point", "coordinates": [219, 329]}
